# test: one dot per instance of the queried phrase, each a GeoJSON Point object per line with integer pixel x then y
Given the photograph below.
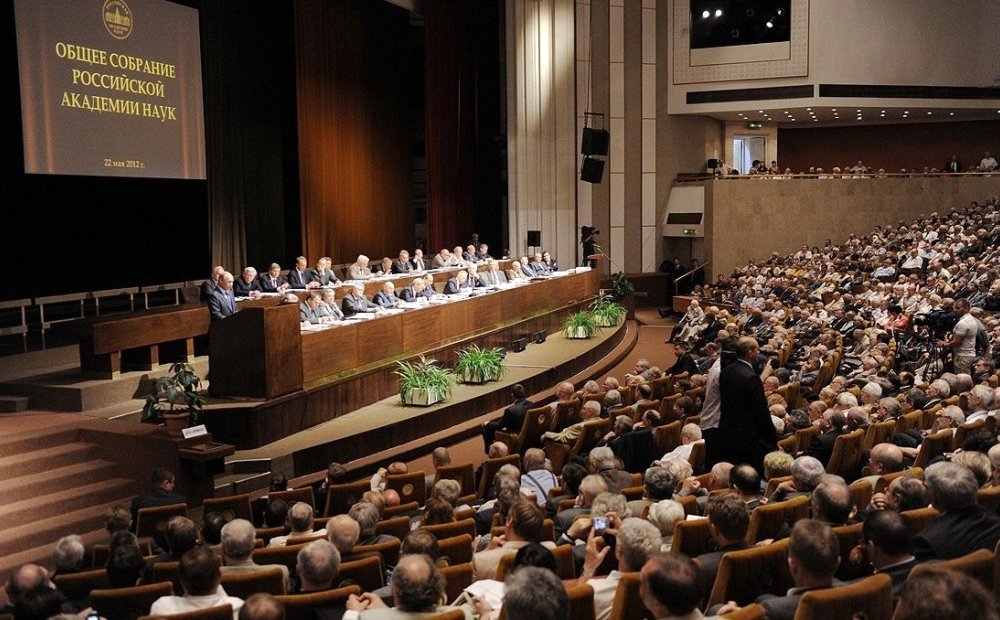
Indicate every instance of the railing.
{"type": "Point", "coordinates": [697, 177]}
{"type": "Point", "coordinates": [688, 274]}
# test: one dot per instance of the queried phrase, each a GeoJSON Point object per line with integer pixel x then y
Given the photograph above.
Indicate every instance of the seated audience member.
{"type": "Point", "coordinates": [344, 533]}
{"type": "Point", "coordinates": [414, 291]}
{"type": "Point", "coordinates": [442, 259]}
{"type": "Point", "coordinates": [886, 541]}
{"type": "Point", "coordinates": [813, 557]}
{"type": "Point", "coordinates": [745, 480]}
{"type": "Point", "coordinates": [665, 515]}
{"type": "Point", "coordinates": [602, 463]}
{"type": "Point", "coordinates": [41, 603]}
{"type": "Point", "coordinates": [658, 483]}
{"type": "Point", "coordinates": [125, 564]}
{"type": "Point", "coordinates": [237, 547]}
{"type": "Point", "coordinates": [162, 494]}
{"type": "Point", "coordinates": [402, 264]}
{"type": "Point", "coordinates": [535, 478]}
{"type": "Point", "coordinates": [806, 472]}
{"type": "Point", "coordinates": [690, 435]}
{"type": "Point", "coordinates": [417, 588]}
{"type": "Point", "coordinates": [262, 606]}
{"type": "Point", "coordinates": [418, 262]}
{"type": "Point", "coordinates": [728, 521]}
{"type": "Point", "coordinates": [313, 311]}
{"type": "Point", "coordinates": [535, 593]}
{"type": "Point", "coordinates": [359, 269]}
{"type": "Point", "coordinates": [833, 424]}
{"type": "Point", "coordinates": [437, 511]}
{"type": "Point", "coordinates": [513, 415]}
{"type": "Point", "coordinates": [671, 586]}
{"type": "Point", "coordinates": [523, 526]}
{"type": "Point", "coordinates": [458, 283]}
{"type": "Point", "coordinates": [572, 475]}
{"type": "Point", "coordinates": [211, 528]}
{"type": "Point", "coordinates": [201, 578]}
{"type": "Point", "coordinates": [964, 526]}
{"type": "Point", "coordinates": [181, 536]}
{"type": "Point", "coordinates": [367, 517]}
{"type": "Point", "coordinates": [300, 522]}
{"type": "Point", "coordinates": [317, 566]}
{"type": "Point", "coordinates": [247, 285]}
{"type": "Point", "coordinates": [777, 464]}
{"type": "Point", "coordinates": [276, 513]}
{"type": "Point", "coordinates": [68, 554]}
{"type": "Point", "coordinates": [386, 298]}
{"type": "Point", "coordinates": [356, 302]}
{"type": "Point", "coordinates": [945, 594]}
{"type": "Point", "coordinates": [273, 281]}
{"type": "Point", "coordinates": [637, 540]}
{"type": "Point", "coordinates": [831, 501]}
{"type": "Point", "coordinates": [322, 275]}
{"type": "Point", "coordinates": [591, 410]}
{"type": "Point", "coordinates": [300, 276]}
{"type": "Point", "coordinates": [329, 303]}
{"type": "Point", "coordinates": [384, 267]}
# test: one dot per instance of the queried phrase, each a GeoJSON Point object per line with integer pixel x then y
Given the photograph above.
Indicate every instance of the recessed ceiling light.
{"type": "Point", "coordinates": [951, 114]}
{"type": "Point", "coordinates": [718, 12]}
{"type": "Point", "coordinates": [929, 113]}
{"type": "Point", "coordinates": [882, 115]}
{"type": "Point", "coordinates": [705, 14]}
{"type": "Point", "coordinates": [833, 109]}
{"type": "Point", "coordinates": [859, 109]}
{"type": "Point", "coordinates": [808, 108]}
{"type": "Point", "coordinates": [906, 111]}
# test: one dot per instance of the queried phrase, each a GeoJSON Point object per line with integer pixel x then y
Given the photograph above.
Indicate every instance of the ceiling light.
{"type": "Point", "coordinates": [705, 14]}
{"type": "Point", "coordinates": [718, 12]}
{"type": "Point", "coordinates": [929, 113]}
{"type": "Point", "coordinates": [833, 109]}
{"type": "Point", "coordinates": [808, 109]}
{"type": "Point", "coordinates": [951, 114]}
{"type": "Point", "coordinates": [769, 24]}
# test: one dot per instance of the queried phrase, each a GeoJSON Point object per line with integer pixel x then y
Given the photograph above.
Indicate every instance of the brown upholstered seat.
{"type": "Point", "coordinates": [869, 598]}
{"type": "Point", "coordinates": [129, 602]}
{"type": "Point", "coordinates": [239, 505]}
{"type": "Point", "coordinates": [746, 574]}
{"type": "Point", "coordinates": [148, 518]}
{"type": "Point", "coordinates": [220, 612]}
{"type": "Point", "coordinates": [768, 520]}
{"type": "Point", "coordinates": [301, 606]}
{"type": "Point", "coordinates": [243, 584]}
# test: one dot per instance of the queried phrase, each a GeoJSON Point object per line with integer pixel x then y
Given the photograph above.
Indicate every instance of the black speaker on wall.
{"type": "Point", "coordinates": [535, 238]}
{"type": "Point", "coordinates": [594, 142]}
{"type": "Point", "coordinates": [592, 170]}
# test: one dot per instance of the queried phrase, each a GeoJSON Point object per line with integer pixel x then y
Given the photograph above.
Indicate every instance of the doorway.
{"type": "Point", "coordinates": [746, 149]}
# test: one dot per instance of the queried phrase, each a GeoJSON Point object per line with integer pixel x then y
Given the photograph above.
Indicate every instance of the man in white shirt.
{"type": "Point", "coordinates": [988, 163]}
{"type": "Point", "coordinates": [201, 578]}
{"type": "Point", "coordinates": [690, 435]}
{"type": "Point", "coordinates": [963, 339]}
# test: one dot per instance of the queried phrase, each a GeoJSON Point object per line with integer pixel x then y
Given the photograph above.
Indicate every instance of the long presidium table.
{"type": "Point", "coordinates": [258, 352]}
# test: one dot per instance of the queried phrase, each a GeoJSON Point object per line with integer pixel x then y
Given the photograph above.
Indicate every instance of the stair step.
{"type": "Point", "coordinates": [13, 404]}
{"type": "Point", "coordinates": [45, 459]}
{"type": "Point", "coordinates": [47, 531]}
{"type": "Point", "coordinates": [21, 443]}
{"type": "Point", "coordinates": [54, 480]}
{"type": "Point", "coordinates": [77, 498]}
{"type": "Point", "coordinates": [41, 554]}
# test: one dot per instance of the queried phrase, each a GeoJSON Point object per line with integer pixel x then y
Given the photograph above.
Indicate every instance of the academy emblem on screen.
{"type": "Point", "coordinates": [117, 18]}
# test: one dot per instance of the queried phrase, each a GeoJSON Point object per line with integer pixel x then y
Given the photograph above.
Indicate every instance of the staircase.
{"type": "Point", "coordinates": [51, 485]}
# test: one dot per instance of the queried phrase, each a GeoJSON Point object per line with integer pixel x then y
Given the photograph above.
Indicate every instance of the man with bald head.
{"type": "Point", "coordinates": [221, 302]}
{"type": "Point", "coordinates": [745, 432]}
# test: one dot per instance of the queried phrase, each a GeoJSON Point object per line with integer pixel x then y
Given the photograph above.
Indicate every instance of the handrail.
{"type": "Point", "coordinates": [689, 273]}
{"type": "Point", "coordinates": [696, 177]}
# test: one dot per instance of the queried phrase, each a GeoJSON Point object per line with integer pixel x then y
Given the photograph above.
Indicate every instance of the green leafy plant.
{"type": "Point", "coordinates": [581, 325]}
{"type": "Point", "coordinates": [621, 286]}
{"type": "Point", "coordinates": [606, 311]}
{"type": "Point", "coordinates": [479, 364]}
{"type": "Point", "coordinates": [423, 381]}
{"type": "Point", "coordinates": [176, 392]}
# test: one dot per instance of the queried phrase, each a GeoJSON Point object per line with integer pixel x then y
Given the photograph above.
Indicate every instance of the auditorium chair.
{"type": "Point", "coordinates": [581, 601]}
{"type": "Point", "coordinates": [667, 413]}
{"type": "Point", "coordinates": [340, 497]}
{"type": "Point", "coordinates": [239, 505]}
{"type": "Point", "coordinates": [597, 397]}
{"type": "Point", "coordinates": [412, 486]}
{"type": "Point", "coordinates": [547, 534]}
{"type": "Point", "coordinates": [668, 436]}
{"type": "Point", "coordinates": [933, 445]}
{"type": "Point", "coordinates": [168, 571]}
{"type": "Point", "coordinates": [100, 553]}
{"type": "Point", "coordinates": [490, 468]}
{"type": "Point", "coordinates": [536, 422]}
{"type": "Point", "coordinates": [849, 537]}
{"type": "Point", "coordinates": [366, 573]}
{"type": "Point", "coordinates": [845, 461]}
{"type": "Point", "coordinates": [912, 420]}
{"type": "Point", "coordinates": [388, 551]}
{"type": "Point", "coordinates": [565, 564]}
{"type": "Point", "coordinates": [978, 565]}
{"type": "Point", "coordinates": [919, 518]}
{"type": "Point", "coordinates": [456, 549]}
{"type": "Point", "coordinates": [989, 498]}
{"type": "Point", "coordinates": [148, 518]}
{"type": "Point", "coordinates": [457, 577]}
{"type": "Point", "coordinates": [879, 432]}
{"type": "Point", "coordinates": [963, 431]}
{"type": "Point", "coordinates": [77, 586]}
{"type": "Point", "coordinates": [301, 494]}
{"type": "Point", "coordinates": [789, 444]}
{"type": "Point", "coordinates": [278, 555]}
{"type": "Point", "coordinates": [463, 473]}
{"type": "Point", "coordinates": [627, 604]}
{"type": "Point", "coordinates": [303, 606]}
{"type": "Point", "coordinates": [643, 407]}
{"type": "Point", "coordinates": [806, 435]}
{"type": "Point", "coordinates": [661, 388]}
{"type": "Point", "coordinates": [794, 394]}
{"type": "Point", "coordinates": [772, 484]}
{"type": "Point", "coordinates": [402, 509]}
{"type": "Point", "coordinates": [633, 493]}
{"type": "Point", "coordinates": [219, 612]}
{"type": "Point", "coordinates": [746, 574]}
{"type": "Point", "coordinates": [451, 614]}
{"type": "Point", "coordinates": [396, 526]}
{"type": "Point", "coordinates": [769, 520]}
{"type": "Point", "coordinates": [243, 584]}
{"type": "Point", "coordinates": [697, 457]}
{"type": "Point", "coordinates": [567, 414]}
{"type": "Point", "coordinates": [691, 537]}
{"type": "Point", "coordinates": [867, 598]}
{"type": "Point", "coordinates": [861, 493]}
{"type": "Point", "coordinates": [560, 453]}
{"type": "Point", "coordinates": [883, 481]}
{"type": "Point", "coordinates": [129, 602]}
{"type": "Point", "coordinates": [447, 530]}
{"type": "Point", "coordinates": [265, 534]}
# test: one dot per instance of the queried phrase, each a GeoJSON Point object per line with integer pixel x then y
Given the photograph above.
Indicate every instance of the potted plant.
{"type": "Point", "coordinates": [478, 364]}
{"type": "Point", "coordinates": [624, 293]}
{"type": "Point", "coordinates": [174, 399]}
{"type": "Point", "coordinates": [423, 382]}
{"type": "Point", "coordinates": [606, 312]}
{"type": "Point", "coordinates": [580, 325]}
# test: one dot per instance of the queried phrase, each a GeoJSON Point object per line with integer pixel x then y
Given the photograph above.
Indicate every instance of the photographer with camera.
{"type": "Point", "coordinates": [963, 338]}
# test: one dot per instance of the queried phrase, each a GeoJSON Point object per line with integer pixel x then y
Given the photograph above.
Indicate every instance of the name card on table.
{"type": "Point", "coordinates": [195, 431]}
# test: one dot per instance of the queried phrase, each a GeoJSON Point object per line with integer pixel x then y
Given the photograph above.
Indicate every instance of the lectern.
{"type": "Point", "coordinates": [256, 353]}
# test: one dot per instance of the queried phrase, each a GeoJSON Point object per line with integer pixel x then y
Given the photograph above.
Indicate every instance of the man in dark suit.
{"type": "Point", "coordinates": [322, 275]}
{"type": "Point", "coordinates": [685, 361]}
{"type": "Point", "coordinates": [458, 283]}
{"type": "Point", "coordinates": [513, 416]}
{"type": "Point", "coordinates": [832, 425]}
{"type": "Point", "coordinates": [386, 298]}
{"type": "Point", "coordinates": [728, 521]}
{"type": "Point", "coordinates": [162, 494]}
{"type": "Point", "coordinates": [299, 276]}
{"type": "Point", "coordinates": [964, 526]}
{"type": "Point", "coordinates": [221, 302]}
{"type": "Point", "coordinates": [417, 261]}
{"type": "Point", "coordinates": [209, 285]}
{"type": "Point", "coordinates": [745, 432]}
{"type": "Point", "coordinates": [273, 281]}
{"type": "Point", "coordinates": [414, 291]}
{"type": "Point", "coordinates": [247, 285]}
{"type": "Point", "coordinates": [590, 487]}
{"type": "Point", "coordinates": [402, 264]}
{"type": "Point", "coordinates": [356, 302]}
{"type": "Point", "coordinates": [887, 541]}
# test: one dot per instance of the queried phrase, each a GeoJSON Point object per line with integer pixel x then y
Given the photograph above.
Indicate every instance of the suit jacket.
{"type": "Point", "coordinates": [957, 533]}
{"type": "Point", "coordinates": [821, 446]}
{"type": "Point", "coordinates": [353, 305]}
{"type": "Point", "coordinates": [418, 265]}
{"type": "Point", "coordinates": [158, 497]}
{"type": "Point", "coordinates": [357, 272]}
{"type": "Point", "coordinates": [206, 290]}
{"type": "Point", "coordinates": [312, 316]}
{"type": "Point", "coordinates": [513, 416]}
{"type": "Point", "coordinates": [452, 287]}
{"type": "Point", "coordinates": [385, 300]}
{"type": "Point", "coordinates": [399, 266]}
{"type": "Point", "coordinates": [745, 432]}
{"type": "Point", "coordinates": [323, 277]}
{"type": "Point", "coordinates": [485, 563]}
{"type": "Point", "coordinates": [684, 363]}
{"type": "Point", "coordinates": [299, 280]}
{"type": "Point", "coordinates": [221, 304]}
{"type": "Point", "coordinates": [242, 289]}
{"type": "Point", "coordinates": [268, 286]}
{"type": "Point", "coordinates": [783, 607]}
{"type": "Point", "coordinates": [564, 518]}
{"type": "Point", "coordinates": [408, 294]}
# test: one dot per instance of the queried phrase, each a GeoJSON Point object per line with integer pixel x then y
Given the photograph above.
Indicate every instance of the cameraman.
{"type": "Point", "coordinates": [963, 338]}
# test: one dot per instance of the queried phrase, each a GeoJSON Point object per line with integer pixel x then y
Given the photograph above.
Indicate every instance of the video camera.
{"type": "Point", "coordinates": [938, 320]}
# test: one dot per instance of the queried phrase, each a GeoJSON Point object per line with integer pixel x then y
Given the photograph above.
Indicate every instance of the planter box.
{"type": "Point", "coordinates": [605, 322]}
{"type": "Point", "coordinates": [576, 334]}
{"type": "Point", "coordinates": [422, 398]}
{"type": "Point", "coordinates": [176, 423]}
{"type": "Point", "coordinates": [475, 378]}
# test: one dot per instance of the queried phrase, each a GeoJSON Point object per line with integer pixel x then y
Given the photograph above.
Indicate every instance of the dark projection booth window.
{"type": "Point", "coordinates": [727, 23]}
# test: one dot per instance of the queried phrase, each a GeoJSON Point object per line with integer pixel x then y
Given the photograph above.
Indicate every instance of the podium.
{"type": "Point", "coordinates": [256, 353]}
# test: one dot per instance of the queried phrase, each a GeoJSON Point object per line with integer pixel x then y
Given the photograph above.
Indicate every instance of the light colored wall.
{"type": "Point", "coordinates": [748, 219]}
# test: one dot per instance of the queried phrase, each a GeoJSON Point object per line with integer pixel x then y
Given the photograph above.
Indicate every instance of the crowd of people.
{"type": "Point", "coordinates": [886, 335]}
{"type": "Point", "coordinates": [860, 170]}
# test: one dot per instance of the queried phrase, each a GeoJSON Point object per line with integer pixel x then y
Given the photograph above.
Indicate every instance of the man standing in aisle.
{"type": "Point", "coordinates": [746, 432]}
